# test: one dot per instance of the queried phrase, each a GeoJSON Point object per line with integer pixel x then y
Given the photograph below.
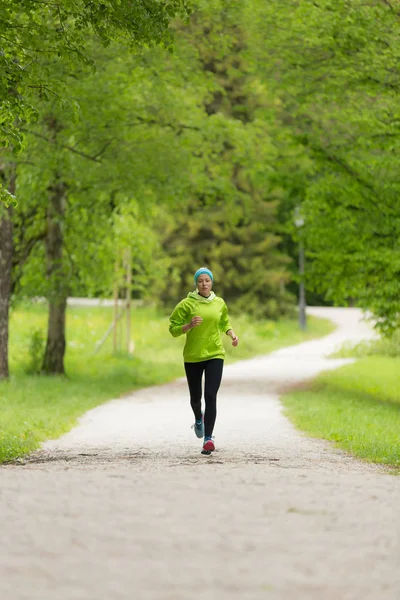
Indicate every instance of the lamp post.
{"type": "Point", "coordinates": [299, 222]}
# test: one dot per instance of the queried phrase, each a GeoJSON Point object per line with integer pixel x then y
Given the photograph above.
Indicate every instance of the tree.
{"type": "Point", "coordinates": [230, 220]}
{"type": "Point", "coordinates": [241, 250]}
{"type": "Point", "coordinates": [333, 68]}
{"type": "Point", "coordinates": [35, 37]}
{"type": "Point", "coordinates": [115, 160]}
{"type": "Point", "coordinates": [34, 32]}
{"type": "Point", "coordinates": [6, 255]}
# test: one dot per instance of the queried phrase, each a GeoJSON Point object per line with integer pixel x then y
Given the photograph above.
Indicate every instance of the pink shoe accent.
{"type": "Point", "coordinates": [209, 446]}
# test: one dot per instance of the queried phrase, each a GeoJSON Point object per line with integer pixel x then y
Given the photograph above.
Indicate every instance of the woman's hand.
{"type": "Point", "coordinates": [235, 339]}
{"type": "Point", "coordinates": [195, 322]}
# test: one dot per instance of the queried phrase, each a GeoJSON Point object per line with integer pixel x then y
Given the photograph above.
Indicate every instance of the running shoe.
{"type": "Point", "coordinates": [208, 445]}
{"type": "Point", "coordinates": [199, 428]}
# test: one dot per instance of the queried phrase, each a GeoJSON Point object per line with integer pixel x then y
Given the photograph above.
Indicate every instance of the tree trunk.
{"type": "Point", "coordinates": [6, 255]}
{"type": "Point", "coordinates": [53, 361]}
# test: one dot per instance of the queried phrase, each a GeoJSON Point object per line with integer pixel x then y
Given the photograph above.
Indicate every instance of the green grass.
{"type": "Point", "coordinates": [389, 346]}
{"type": "Point", "coordinates": [356, 406]}
{"type": "Point", "coordinates": [34, 408]}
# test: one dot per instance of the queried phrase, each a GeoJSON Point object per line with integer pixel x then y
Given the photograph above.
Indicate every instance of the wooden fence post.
{"type": "Point", "coordinates": [128, 263]}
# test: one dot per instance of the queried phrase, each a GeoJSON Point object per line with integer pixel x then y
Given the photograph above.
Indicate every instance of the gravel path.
{"type": "Point", "coordinates": [125, 506]}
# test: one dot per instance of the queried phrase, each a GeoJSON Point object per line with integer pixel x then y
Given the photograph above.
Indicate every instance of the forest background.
{"type": "Point", "coordinates": [194, 133]}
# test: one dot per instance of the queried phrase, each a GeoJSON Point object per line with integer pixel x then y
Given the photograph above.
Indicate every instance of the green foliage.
{"type": "Point", "coordinates": [35, 408]}
{"type": "Point", "coordinates": [261, 107]}
{"type": "Point", "coordinates": [37, 34]}
{"type": "Point", "coordinates": [229, 221]}
{"type": "Point", "coordinates": [117, 167]}
{"type": "Point", "coordinates": [249, 271]}
{"type": "Point", "coordinates": [333, 69]}
{"type": "Point", "coordinates": [6, 197]}
{"type": "Point", "coordinates": [114, 167]}
{"type": "Point", "coordinates": [357, 407]}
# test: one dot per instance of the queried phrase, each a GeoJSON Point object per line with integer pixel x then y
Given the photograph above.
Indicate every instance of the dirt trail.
{"type": "Point", "coordinates": [124, 506]}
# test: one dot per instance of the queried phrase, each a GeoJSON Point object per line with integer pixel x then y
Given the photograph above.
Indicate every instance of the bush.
{"type": "Point", "coordinates": [36, 351]}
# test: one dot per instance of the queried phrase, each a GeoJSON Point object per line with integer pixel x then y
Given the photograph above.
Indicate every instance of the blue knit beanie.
{"type": "Point", "coordinates": [203, 271]}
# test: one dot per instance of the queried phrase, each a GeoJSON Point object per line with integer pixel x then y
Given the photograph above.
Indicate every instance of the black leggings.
{"type": "Point", "coordinates": [213, 375]}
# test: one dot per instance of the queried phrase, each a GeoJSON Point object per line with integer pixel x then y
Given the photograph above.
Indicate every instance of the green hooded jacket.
{"type": "Point", "coordinates": [202, 342]}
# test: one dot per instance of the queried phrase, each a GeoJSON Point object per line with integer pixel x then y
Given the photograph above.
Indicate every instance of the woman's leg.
{"type": "Point", "coordinates": [194, 373]}
{"type": "Point", "coordinates": [213, 370]}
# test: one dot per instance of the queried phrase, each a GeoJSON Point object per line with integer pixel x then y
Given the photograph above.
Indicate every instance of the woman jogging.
{"type": "Point", "coordinates": [203, 316]}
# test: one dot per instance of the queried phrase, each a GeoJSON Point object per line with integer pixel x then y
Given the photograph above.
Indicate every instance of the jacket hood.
{"type": "Point", "coordinates": [201, 298]}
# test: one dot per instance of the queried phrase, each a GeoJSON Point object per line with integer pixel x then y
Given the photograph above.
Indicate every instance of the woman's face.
{"type": "Point", "coordinates": [204, 284]}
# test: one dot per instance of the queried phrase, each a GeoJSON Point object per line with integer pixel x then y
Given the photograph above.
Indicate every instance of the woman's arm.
{"type": "Point", "coordinates": [179, 320]}
{"type": "Point", "coordinates": [232, 334]}
{"type": "Point", "coordinates": [226, 326]}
